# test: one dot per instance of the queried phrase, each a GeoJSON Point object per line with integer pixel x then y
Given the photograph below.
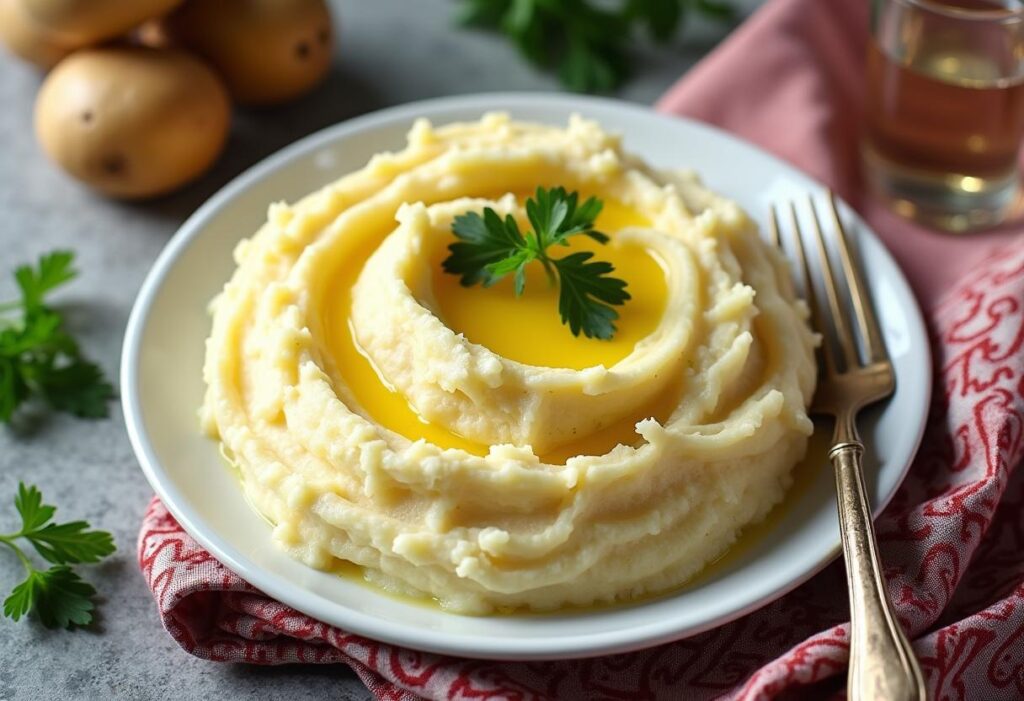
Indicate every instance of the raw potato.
{"type": "Point", "coordinates": [26, 39]}
{"type": "Point", "coordinates": [89, 21]}
{"type": "Point", "coordinates": [151, 33]}
{"type": "Point", "coordinates": [268, 51]}
{"type": "Point", "coordinates": [132, 121]}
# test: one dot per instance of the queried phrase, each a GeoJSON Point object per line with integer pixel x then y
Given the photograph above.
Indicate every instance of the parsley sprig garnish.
{"type": "Point", "coordinates": [58, 596]}
{"type": "Point", "coordinates": [489, 248]}
{"type": "Point", "coordinates": [38, 358]}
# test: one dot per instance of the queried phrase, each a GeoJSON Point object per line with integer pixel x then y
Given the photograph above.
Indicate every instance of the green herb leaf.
{"type": "Point", "coordinates": [490, 248]}
{"type": "Point", "coordinates": [555, 216]}
{"type": "Point", "coordinates": [61, 543]}
{"type": "Point", "coordinates": [587, 66]}
{"type": "Point", "coordinates": [586, 292]}
{"type": "Point", "coordinates": [718, 10]}
{"type": "Point", "coordinates": [52, 271]}
{"type": "Point", "coordinates": [22, 598]}
{"type": "Point", "coordinates": [13, 390]}
{"type": "Point", "coordinates": [34, 513]}
{"type": "Point", "coordinates": [662, 17]}
{"type": "Point", "coordinates": [37, 356]}
{"type": "Point", "coordinates": [484, 241]}
{"type": "Point", "coordinates": [68, 543]}
{"type": "Point", "coordinates": [58, 596]}
{"type": "Point", "coordinates": [482, 13]}
{"type": "Point", "coordinates": [78, 388]}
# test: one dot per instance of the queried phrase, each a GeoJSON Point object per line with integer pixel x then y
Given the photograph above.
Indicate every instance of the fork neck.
{"type": "Point", "coordinates": [845, 434]}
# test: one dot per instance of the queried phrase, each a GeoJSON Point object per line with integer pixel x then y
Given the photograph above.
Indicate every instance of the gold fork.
{"type": "Point", "coordinates": [882, 663]}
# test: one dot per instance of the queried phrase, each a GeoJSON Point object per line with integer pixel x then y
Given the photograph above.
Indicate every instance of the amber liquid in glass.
{"type": "Point", "coordinates": [944, 113]}
{"type": "Point", "coordinates": [927, 116]}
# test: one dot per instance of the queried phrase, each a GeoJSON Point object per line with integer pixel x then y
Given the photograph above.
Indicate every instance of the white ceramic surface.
{"type": "Point", "coordinates": [162, 388]}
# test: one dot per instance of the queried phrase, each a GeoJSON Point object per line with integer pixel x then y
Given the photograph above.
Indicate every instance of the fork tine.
{"type": "Point", "coordinates": [867, 323]}
{"type": "Point", "coordinates": [773, 230]}
{"type": "Point", "coordinates": [841, 323]}
{"type": "Point", "coordinates": [817, 318]}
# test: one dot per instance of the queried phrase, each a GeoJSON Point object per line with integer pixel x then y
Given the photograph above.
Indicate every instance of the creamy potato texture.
{"type": "Point", "coordinates": [459, 443]}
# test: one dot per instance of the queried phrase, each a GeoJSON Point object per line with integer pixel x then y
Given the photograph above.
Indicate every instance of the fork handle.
{"type": "Point", "coordinates": [882, 663]}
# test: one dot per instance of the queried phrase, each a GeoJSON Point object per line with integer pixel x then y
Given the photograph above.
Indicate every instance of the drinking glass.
{"type": "Point", "coordinates": [945, 109]}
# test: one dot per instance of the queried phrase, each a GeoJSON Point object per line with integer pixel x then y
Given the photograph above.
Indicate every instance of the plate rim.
{"type": "Point", "coordinates": [370, 626]}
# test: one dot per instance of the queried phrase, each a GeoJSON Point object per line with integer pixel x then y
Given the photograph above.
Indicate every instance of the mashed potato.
{"type": "Point", "coordinates": [456, 447]}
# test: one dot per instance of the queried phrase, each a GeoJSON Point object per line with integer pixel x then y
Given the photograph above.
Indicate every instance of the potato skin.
{"type": "Point", "coordinates": [27, 39]}
{"type": "Point", "coordinates": [82, 22]}
{"type": "Point", "coordinates": [132, 122]}
{"type": "Point", "coordinates": [267, 51]}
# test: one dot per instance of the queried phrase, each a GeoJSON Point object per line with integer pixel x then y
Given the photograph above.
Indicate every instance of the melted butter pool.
{"type": "Point", "coordinates": [526, 329]}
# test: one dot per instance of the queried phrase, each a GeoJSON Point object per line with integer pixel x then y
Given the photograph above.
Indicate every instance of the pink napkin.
{"type": "Point", "coordinates": [790, 80]}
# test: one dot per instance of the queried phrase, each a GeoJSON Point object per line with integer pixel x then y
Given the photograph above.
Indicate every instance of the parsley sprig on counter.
{"type": "Point", "coordinates": [588, 41]}
{"type": "Point", "coordinates": [489, 248]}
{"type": "Point", "coordinates": [58, 596]}
{"type": "Point", "coordinates": [38, 358]}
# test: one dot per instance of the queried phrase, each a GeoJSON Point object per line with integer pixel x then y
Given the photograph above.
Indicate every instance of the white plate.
{"type": "Point", "coordinates": [162, 388]}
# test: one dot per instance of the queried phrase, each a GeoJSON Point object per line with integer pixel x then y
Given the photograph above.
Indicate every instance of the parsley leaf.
{"type": "Point", "coordinates": [59, 597]}
{"type": "Point", "coordinates": [52, 271]}
{"type": "Point", "coordinates": [661, 17]}
{"type": "Point", "coordinates": [718, 10]}
{"type": "Point", "coordinates": [78, 388]}
{"type": "Point", "coordinates": [555, 216]}
{"type": "Point", "coordinates": [13, 390]}
{"type": "Point", "coordinates": [37, 356]}
{"type": "Point", "coordinates": [62, 543]}
{"type": "Point", "coordinates": [22, 597]}
{"type": "Point", "coordinates": [585, 293]}
{"type": "Point", "coordinates": [490, 248]}
{"type": "Point", "coordinates": [34, 513]}
{"type": "Point", "coordinates": [485, 241]}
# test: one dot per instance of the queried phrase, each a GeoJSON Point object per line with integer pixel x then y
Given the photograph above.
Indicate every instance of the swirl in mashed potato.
{"type": "Point", "coordinates": [459, 443]}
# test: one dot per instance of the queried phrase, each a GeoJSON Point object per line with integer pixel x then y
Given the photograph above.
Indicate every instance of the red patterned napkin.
{"type": "Point", "coordinates": [952, 539]}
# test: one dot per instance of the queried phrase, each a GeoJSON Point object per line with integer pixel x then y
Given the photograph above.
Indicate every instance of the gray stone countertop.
{"type": "Point", "coordinates": [388, 52]}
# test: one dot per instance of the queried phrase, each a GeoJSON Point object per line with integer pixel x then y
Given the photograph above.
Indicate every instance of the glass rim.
{"type": "Point", "coordinates": [1013, 11]}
